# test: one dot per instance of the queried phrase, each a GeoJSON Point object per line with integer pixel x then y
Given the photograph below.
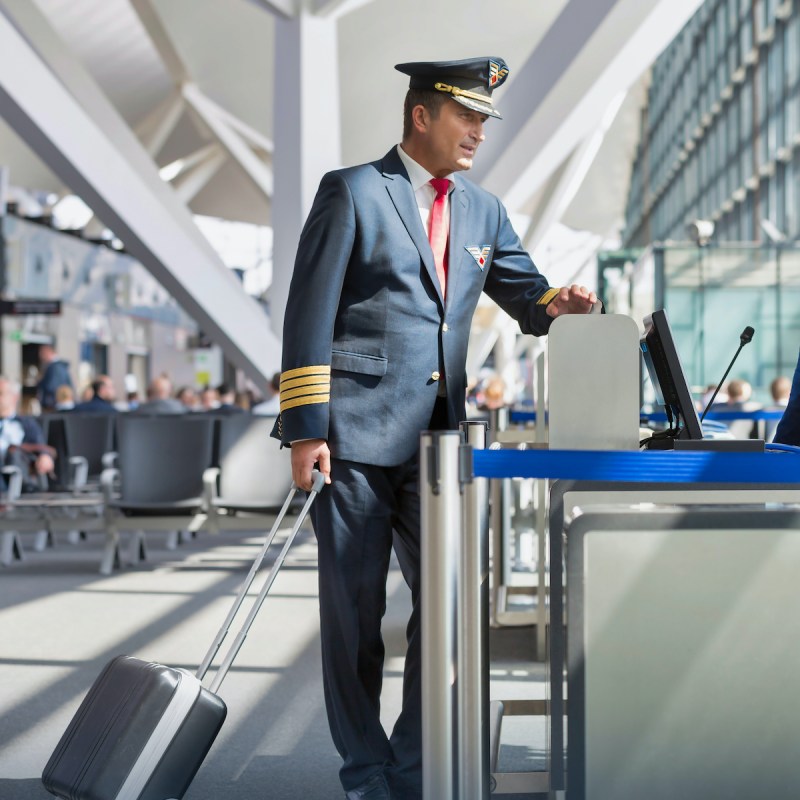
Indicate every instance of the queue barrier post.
{"type": "Point", "coordinates": [473, 633]}
{"type": "Point", "coordinates": [441, 524]}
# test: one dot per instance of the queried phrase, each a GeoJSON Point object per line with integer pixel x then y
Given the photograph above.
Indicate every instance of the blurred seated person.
{"type": "Point", "coordinates": [160, 399]}
{"type": "Point", "coordinates": [271, 406]}
{"type": "Point", "coordinates": [739, 394]}
{"type": "Point", "coordinates": [494, 394]}
{"type": "Point", "coordinates": [29, 406]}
{"type": "Point", "coordinates": [244, 400]}
{"type": "Point", "coordinates": [102, 400]}
{"type": "Point", "coordinates": [209, 399]}
{"type": "Point", "coordinates": [722, 397]}
{"type": "Point", "coordinates": [188, 397]}
{"type": "Point", "coordinates": [780, 390]}
{"type": "Point", "coordinates": [21, 440]}
{"type": "Point", "coordinates": [65, 398]}
{"type": "Point", "coordinates": [227, 400]}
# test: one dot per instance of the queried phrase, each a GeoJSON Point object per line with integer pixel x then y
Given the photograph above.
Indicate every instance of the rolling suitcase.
{"type": "Point", "coordinates": [143, 730]}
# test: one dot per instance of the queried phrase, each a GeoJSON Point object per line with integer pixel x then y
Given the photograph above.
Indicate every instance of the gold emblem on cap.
{"type": "Point", "coordinates": [456, 92]}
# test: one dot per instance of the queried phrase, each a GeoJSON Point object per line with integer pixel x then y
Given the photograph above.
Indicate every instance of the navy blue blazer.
{"type": "Point", "coordinates": [788, 430]}
{"type": "Point", "coordinates": [367, 336]}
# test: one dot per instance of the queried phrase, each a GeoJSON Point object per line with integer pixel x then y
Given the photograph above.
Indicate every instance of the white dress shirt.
{"type": "Point", "coordinates": [424, 192]}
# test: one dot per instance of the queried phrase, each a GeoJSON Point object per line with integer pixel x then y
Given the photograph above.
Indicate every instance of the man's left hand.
{"type": "Point", "coordinates": [44, 464]}
{"type": "Point", "coordinates": [571, 300]}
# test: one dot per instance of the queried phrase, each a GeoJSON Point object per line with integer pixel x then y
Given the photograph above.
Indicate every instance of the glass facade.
{"type": "Point", "coordinates": [720, 141]}
{"type": "Point", "coordinates": [711, 294]}
{"type": "Point", "coordinates": [720, 136]}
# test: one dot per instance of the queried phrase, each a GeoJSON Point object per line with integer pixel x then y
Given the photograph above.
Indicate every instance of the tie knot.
{"type": "Point", "coordinates": [441, 185]}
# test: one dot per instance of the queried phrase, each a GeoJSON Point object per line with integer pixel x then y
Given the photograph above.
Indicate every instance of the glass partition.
{"type": "Point", "coordinates": [711, 294]}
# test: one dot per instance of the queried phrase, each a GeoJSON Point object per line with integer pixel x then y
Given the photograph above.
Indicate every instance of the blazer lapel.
{"type": "Point", "coordinates": [459, 208]}
{"type": "Point", "coordinates": [399, 188]}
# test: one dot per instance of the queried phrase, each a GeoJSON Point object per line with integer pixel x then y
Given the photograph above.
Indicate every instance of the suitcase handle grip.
{"type": "Point", "coordinates": [318, 481]}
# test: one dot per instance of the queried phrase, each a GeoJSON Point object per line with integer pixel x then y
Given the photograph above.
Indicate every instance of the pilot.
{"type": "Point", "coordinates": [391, 263]}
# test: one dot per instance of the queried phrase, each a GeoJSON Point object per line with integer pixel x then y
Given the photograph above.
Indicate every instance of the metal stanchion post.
{"type": "Point", "coordinates": [440, 499]}
{"type": "Point", "coordinates": [473, 633]}
{"type": "Point", "coordinates": [500, 523]}
{"type": "Point", "coordinates": [542, 589]}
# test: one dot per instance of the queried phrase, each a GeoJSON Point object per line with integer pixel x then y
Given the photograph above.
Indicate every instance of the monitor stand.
{"type": "Point", "coordinates": [714, 445]}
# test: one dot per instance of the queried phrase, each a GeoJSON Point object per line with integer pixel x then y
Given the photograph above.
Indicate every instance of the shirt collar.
{"type": "Point", "coordinates": [417, 174]}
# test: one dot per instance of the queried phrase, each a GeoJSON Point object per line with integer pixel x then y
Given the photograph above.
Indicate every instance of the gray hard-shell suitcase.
{"type": "Point", "coordinates": [143, 729]}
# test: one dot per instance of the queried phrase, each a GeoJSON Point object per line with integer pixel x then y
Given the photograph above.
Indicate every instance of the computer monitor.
{"type": "Point", "coordinates": [666, 373]}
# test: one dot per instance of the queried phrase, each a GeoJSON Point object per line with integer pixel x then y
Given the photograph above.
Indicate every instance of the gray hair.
{"type": "Point", "coordinates": [15, 386]}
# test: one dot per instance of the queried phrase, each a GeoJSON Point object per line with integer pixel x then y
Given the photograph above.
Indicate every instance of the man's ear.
{"type": "Point", "coordinates": [420, 118]}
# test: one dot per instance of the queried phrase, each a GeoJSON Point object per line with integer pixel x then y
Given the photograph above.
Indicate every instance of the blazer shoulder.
{"type": "Point", "coordinates": [359, 174]}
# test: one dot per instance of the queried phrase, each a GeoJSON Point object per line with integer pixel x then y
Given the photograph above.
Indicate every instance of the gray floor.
{"type": "Point", "coordinates": [60, 622]}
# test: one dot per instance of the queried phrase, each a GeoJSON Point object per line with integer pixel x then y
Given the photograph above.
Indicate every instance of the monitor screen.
{"type": "Point", "coordinates": [666, 373]}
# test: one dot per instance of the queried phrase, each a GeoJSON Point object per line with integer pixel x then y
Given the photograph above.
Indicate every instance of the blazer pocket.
{"type": "Point", "coordinates": [358, 362]}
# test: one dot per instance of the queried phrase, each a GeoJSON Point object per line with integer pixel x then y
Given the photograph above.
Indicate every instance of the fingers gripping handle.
{"type": "Point", "coordinates": [317, 481]}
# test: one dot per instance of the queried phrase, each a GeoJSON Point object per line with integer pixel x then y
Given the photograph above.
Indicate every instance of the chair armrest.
{"type": "Point", "coordinates": [14, 481]}
{"type": "Point", "coordinates": [210, 487]}
{"type": "Point", "coordinates": [109, 459]}
{"type": "Point", "coordinates": [109, 481]}
{"type": "Point", "coordinates": [79, 473]}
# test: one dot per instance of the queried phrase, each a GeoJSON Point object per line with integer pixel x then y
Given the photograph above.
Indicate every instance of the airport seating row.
{"type": "Point", "coordinates": [169, 473]}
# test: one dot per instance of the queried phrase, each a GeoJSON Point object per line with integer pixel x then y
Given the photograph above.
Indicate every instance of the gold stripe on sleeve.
{"type": "Point", "coordinates": [300, 391]}
{"type": "Point", "coordinates": [547, 297]}
{"type": "Point", "coordinates": [301, 372]}
{"type": "Point", "coordinates": [304, 401]}
{"type": "Point", "coordinates": [311, 380]}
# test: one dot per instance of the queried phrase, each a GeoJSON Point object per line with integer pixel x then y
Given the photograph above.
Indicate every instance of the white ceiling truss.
{"type": "Point", "coordinates": [247, 148]}
{"type": "Point", "coordinates": [53, 103]}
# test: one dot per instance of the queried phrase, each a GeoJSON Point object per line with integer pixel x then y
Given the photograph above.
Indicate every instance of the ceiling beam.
{"type": "Point", "coordinates": [286, 9]}
{"type": "Point", "coordinates": [254, 168]}
{"type": "Point", "coordinates": [334, 9]}
{"type": "Point", "coordinates": [180, 166]}
{"type": "Point", "coordinates": [564, 184]}
{"type": "Point", "coordinates": [196, 175]}
{"type": "Point", "coordinates": [85, 142]}
{"type": "Point", "coordinates": [594, 50]}
{"type": "Point", "coordinates": [154, 130]}
{"type": "Point", "coordinates": [162, 41]}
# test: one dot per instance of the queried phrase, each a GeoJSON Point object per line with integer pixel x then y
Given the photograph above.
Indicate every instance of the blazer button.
{"type": "Point", "coordinates": [435, 376]}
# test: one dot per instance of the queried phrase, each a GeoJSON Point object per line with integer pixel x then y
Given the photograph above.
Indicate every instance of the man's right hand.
{"type": "Point", "coordinates": [305, 454]}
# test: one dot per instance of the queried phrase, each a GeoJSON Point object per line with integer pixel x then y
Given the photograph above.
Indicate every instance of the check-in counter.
{"type": "Point", "coordinates": [683, 650]}
{"type": "Point", "coordinates": [565, 496]}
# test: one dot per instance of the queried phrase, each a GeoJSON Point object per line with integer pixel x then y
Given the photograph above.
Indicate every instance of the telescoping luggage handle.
{"type": "Point", "coordinates": [318, 481]}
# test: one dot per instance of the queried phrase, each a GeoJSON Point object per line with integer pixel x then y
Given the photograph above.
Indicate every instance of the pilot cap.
{"type": "Point", "coordinates": [470, 81]}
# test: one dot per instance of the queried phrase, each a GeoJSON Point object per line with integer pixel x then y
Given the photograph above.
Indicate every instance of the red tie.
{"type": "Point", "coordinates": [438, 229]}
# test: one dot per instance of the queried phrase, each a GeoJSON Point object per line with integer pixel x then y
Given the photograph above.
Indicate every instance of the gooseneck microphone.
{"type": "Point", "coordinates": [745, 338]}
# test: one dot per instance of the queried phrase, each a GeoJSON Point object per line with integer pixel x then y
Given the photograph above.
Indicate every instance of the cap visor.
{"type": "Point", "coordinates": [475, 105]}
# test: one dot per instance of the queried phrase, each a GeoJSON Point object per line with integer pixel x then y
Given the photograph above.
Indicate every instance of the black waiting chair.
{"type": "Point", "coordinates": [157, 484]}
{"type": "Point", "coordinates": [252, 475]}
{"type": "Point", "coordinates": [89, 437]}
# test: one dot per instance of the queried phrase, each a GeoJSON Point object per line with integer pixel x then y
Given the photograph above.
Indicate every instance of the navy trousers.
{"type": "Point", "coordinates": [357, 520]}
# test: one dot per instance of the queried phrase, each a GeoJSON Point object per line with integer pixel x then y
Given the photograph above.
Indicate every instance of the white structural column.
{"type": "Point", "coordinates": [57, 109]}
{"type": "Point", "coordinates": [594, 50]}
{"type": "Point", "coordinates": [307, 136]}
